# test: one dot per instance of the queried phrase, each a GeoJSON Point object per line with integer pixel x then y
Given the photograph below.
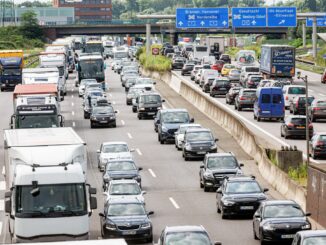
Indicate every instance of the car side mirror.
{"type": "Point", "coordinates": [216, 140]}
{"type": "Point", "coordinates": [192, 120]}
{"type": "Point", "coordinates": [104, 66]}
{"type": "Point", "coordinates": [163, 100]}
{"type": "Point", "coordinates": [116, 112]}
{"type": "Point", "coordinates": [140, 168]}
{"type": "Point", "coordinates": [12, 119]}
{"type": "Point", "coordinates": [219, 191]}
{"type": "Point", "coordinates": [8, 206]}
{"type": "Point", "coordinates": [308, 214]}
{"type": "Point", "coordinates": [158, 121]}
{"type": "Point", "coordinates": [93, 203]}
{"type": "Point", "coordinates": [150, 213]}
{"type": "Point", "coordinates": [241, 164]}
{"type": "Point", "coordinates": [143, 192]}
{"type": "Point", "coordinates": [257, 216]}
{"type": "Point", "coordinates": [101, 215]}
{"type": "Point", "coordinates": [266, 189]}
{"type": "Point", "coordinates": [61, 121]}
{"type": "Point", "coordinates": [132, 150]}
{"type": "Point", "coordinates": [202, 166]}
{"type": "Point", "coordinates": [98, 151]}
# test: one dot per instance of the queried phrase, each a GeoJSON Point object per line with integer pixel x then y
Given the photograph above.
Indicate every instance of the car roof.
{"type": "Point", "coordinates": [279, 202]}
{"type": "Point", "coordinates": [220, 154]}
{"type": "Point", "coordinates": [296, 116]}
{"type": "Point", "coordinates": [194, 130]}
{"type": "Point", "coordinates": [189, 125]}
{"type": "Point", "coordinates": [123, 181]}
{"type": "Point", "coordinates": [241, 178]}
{"type": "Point", "coordinates": [150, 92]}
{"type": "Point", "coordinates": [125, 200]}
{"type": "Point", "coordinates": [312, 233]}
{"type": "Point", "coordinates": [114, 143]}
{"type": "Point", "coordinates": [184, 228]}
{"type": "Point", "coordinates": [174, 110]}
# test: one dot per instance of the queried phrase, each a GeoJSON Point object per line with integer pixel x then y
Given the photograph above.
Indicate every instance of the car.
{"type": "Point", "coordinates": [145, 81]}
{"type": "Point", "coordinates": [265, 83]}
{"type": "Point", "coordinates": [313, 237]}
{"type": "Point", "coordinates": [245, 99]}
{"type": "Point", "coordinates": [291, 91]}
{"type": "Point", "coordinates": [127, 75]}
{"type": "Point", "coordinates": [220, 86]}
{"type": "Point", "coordinates": [129, 83]}
{"type": "Point", "coordinates": [207, 73]}
{"type": "Point", "coordinates": [234, 75]}
{"type": "Point", "coordinates": [216, 167]}
{"type": "Point", "coordinates": [185, 235]}
{"type": "Point", "coordinates": [226, 58]}
{"type": "Point", "coordinates": [90, 100]}
{"type": "Point", "coordinates": [167, 122]}
{"type": "Point", "coordinates": [317, 145]}
{"type": "Point", "coordinates": [82, 85]}
{"type": "Point", "coordinates": [246, 70]}
{"type": "Point", "coordinates": [121, 169]}
{"type": "Point", "coordinates": [103, 116]}
{"type": "Point", "coordinates": [218, 65]}
{"type": "Point", "coordinates": [317, 110]}
{"type": "Point", "coordinates": [208, 83]}
{"type": "Point", "coordinates": [187, 68]}
{"type": "Point", "coordinates": [194, 71]}
{"type": "Point", "coordinates": [323, 77]}
{"type": "Point", "coordinates": [113, 150]}
{"type": "Point", "coordinates": [226, 69]}
{"type": "Point", "coordinates": [279, 221]}
{"type": "Point", "coordinates": [239, 195]}
{"type": "Point", "coordinates": [148, 104]}
{"type": "Point", "coordinates": [134, 92]}
{"type": "Point", "coordinates": [295, 126]}
{"type": "Point", "coordinates": [197, 143]}
{"type": "Point", "coordinates": [126, 218]}
{"type": "Point", "coordinates": [277, 83]}
{"type": "Point", "coordinates": [178, 63]}
{"type": "Point", "coordinates": [252, 81]}
{"type": "Point", "coordinates": [298, 104]}
{"type": "Point", "coordinates": [128, 188]}
{"type": "Point", "coordinates": [231, 95]}
{"type": "Point", "coordinates": [93, 86]}
{"type": "Point", "coordinates": [179, 134]}
{"type": "Point", "coordinates": [129, 67]}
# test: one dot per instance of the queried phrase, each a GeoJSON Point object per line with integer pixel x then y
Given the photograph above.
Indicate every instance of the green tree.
{"type": "Point", "coordinates": [29, 26]}
{"type": "Point", "coordinates": [311, 5]}
{"type": "Point", "coordinates": [29, 4]}
{"type": "Point", "coordinates": [118, 8]}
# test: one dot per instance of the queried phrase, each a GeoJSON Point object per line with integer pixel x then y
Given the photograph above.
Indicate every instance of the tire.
{"type": "Point", "coordinates": [313, 119]}
{"type": "Point", "coordinates": [206, 189]}
{"type": "Point", "coordinates": [2, 89]}
{"type": "Point", "coordinates": [92, 126]}
{"type": "Point", "coordinates": [239, 108]}
{"type": "Point", "coordinates": [114, 125]}
{"type": "Point", "coordinates": [187, 159]}
{"type": "Point", "coordinates": [134, 110]}
{"type": "Point", "coordinates": [162, 141]}
{"type": "Point", "coordinates": [218, 210]}
{"type": "Point", "coordinates": [286, 136]}
{"type": "Point", "coordinates": [258, 119]}
{"type": "Point", "coordinates": [255, 118]}
{"type": "Point", "coordinates": [201, 184]}
{"type": "Point", "coordinates": [150, 239]}
{"type": "Point", "coordinates": [291, 111]}
{"type": "Point", "coordinates": [295, 112]}
{"type": "Point", "coordinates": [235, 106]}
{"type": "Point", "coordinates": [139, 117]}
{"type": "Point", "coordinates": [223, 215]}
{"type": "Point", "coordinates": [313, 155]}
{"type": "Point", "coordinates": [261, 238]}
{"type": "Point", "coordinates": [282, 135]}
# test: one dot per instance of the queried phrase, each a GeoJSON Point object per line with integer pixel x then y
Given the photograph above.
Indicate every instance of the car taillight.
{"type": "Point", "coordinates": [297, 104]}
{"type": "Point", "coordinates": [316, 109]}
{"type": "Point", "coordinates": [250, 82]}
{"type": "Point", "coordinates": [290, 125]}
{"type": "Point", "coordinates": [242, 98]}
{"type": "Point", "coordinates": [310, 125]}
{"type": "Point", "coordinates": [286, 97]}
{"type": "Point", "coordinates": [319, 143]}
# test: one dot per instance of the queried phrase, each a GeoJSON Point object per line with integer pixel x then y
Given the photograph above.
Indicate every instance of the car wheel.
{"type": "Point", "coordinates": [218, 210]}
{"type": "Point", "coordinates": [134, 110]}
{"type": "Point", "coordinates": [261, 238]}
{"type": "Point", "coordinates": [139, 117]}
{"type": "Point", "coordinates": [161, 141]}
{"type": "Point", "coordinates": [114, 125]}
{"type": "Point", "coordinates": [239, 108]}
{"type": "Point", "coordinates": [290, 110]}
{"type": "Point", "coordinates": [187, 159]}
{"type": "Point", "coordinates": [313, 119]}
{"type": "Point", "coordinates": [150, 239]}
{"type": "Point", "coordinates": [224, 216]}
{"type": "Point", "coordinates": [295, 112]}
{"type": "Point", "coordinates": [286, 136]}
{"type": "Point", "coordinates": [201, 184]}
{"type": "Point", "coordinates": [282, 135]}
{"type": "Point", "coordinates": [258, 119]}
{"type": "Point", "coordinates": [92, 126]}
{"type": "Point", "coordinates": [255, 118]}
{"type": "Point", "coordinates": [235, 106]}
{"type": "Point", "coordinates": [206, 189]}
{"type": "Point", "coordinates": [313, 155]}
{"type": "Point", "coordinates": [85, 116]}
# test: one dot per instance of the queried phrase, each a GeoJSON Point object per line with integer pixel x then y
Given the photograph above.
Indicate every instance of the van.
{"type": "Point", "coordinates": [291, 91]}
{"type": "Point", "coordinates": [207, 73]}
{"type": "Point", "coordinates": [248, 69]}
{"type": "Point", "coordinates": [269, 103]}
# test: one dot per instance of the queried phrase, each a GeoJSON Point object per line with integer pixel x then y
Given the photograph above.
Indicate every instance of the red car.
{"type": "Point", "coordinates": [323, 77]}
{"type": "Point", "coordinates": [218, 65]}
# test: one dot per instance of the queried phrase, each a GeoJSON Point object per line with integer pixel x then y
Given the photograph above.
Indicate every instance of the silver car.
{"type": "Point", "coordinates": [234, 75]}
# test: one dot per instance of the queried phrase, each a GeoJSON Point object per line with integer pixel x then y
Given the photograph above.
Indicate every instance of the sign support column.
{"type": "Point", "coordinates": [314, 37]}
{"type": "Point", "coordinates": [148, 39]}
{"type": "Point", "coordinates": [304, 34]}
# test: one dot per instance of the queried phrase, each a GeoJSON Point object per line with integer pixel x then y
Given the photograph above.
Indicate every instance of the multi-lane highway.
{"type": "Point", "coordinates": [172, 184]}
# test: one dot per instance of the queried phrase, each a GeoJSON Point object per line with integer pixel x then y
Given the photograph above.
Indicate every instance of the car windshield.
{"type": "Point", "coordinates": [322, 138]}
{"type": "Point", "coordinates": [316, 240]}
{"type": "Point", "coordinates": [221, 162]}
{"type": "Point", "coordinates": [256, 79]}
{"type": "Point", "coordinates": [303, 99]}
{"type": "Point", "coordinates": [249, 93]}
{"type": "Point", "coordinates": [38, 121]}
{"type": "Point", "coordinates": [150, 99]}
{"type": "Point", "coordinates": [235, 72]}
{"type": "Point", "coordinates": [321, 103]}
{"type": "Point", "coordinates": [91, 68]}
{"type": "Point", "coordinates": [102, 110]}
{"type": "Point", "coordinates": [93, 85]}
{"type": "Point", "coordinates": [228, 66]}
{"type": "Point", "coordinates": [115, 148]}
{"type": "Point", "coordinates": [187, 238]}
{"type": "Point", "coordinates": [85, 82]}
{"type": "Point", "coordinates": [95, 94]}
{"type": "Point", "coordinates": [282, 211]}
{"type": "Point", "coordinates": [126, 209]}
{"type": "Point", "coordinates": [301, 121]}
{"type": "Point", "coordinates": [125, 189]}
{"type": "Point", "coordinates": [239, 187]}
{"type": "Point", "coordinates": [199, 136]}
{"type": "Point", "coordinates": [120, 166]}
{"type": "Point", "coordinates": [183, 129]}
{"type": "Point", "coordinates": [175, 117]}
{"type": "Point", "coordinates": [297, 90]}
{"type": "Point", "coordinates": [145, 81]}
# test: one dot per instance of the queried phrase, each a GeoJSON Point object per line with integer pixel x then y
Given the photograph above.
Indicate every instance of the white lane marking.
{"type": "Point", "coordinates": [72, 104]}
{"type": "Point", "coordinates": [0, 228]}
{"type": "Point", "coordinates": [129, 135]}
{"type": "Point", "coordinates": [72, 96]}
{"type": "Point", "coordinates": [2, 205]}
{"type": "Point", "coordinates": [174, 203]}
{"type": "Point", "coordinates": [310, 90]}
{"type": "Point", "coordinates": [72, 90]}
{"type": "Point", "coordinates": [322, 94]}
{"type": "Point", "coordinates": [113, 102]}
{"type": "Point", "coordinates": [73, 113]}
{"type": "Point", "coordinates": [122, 122]}
{"type": "Point", "coordinates": [117, 111]}
{"type": "Point", "coordinates": [110, 95]}
{"type": "Point", "coordinates": [152, 173]}
{"type": "Point", "coordinates": [2, 185]}
{"type": "Point", "coordinates": [3, 170]}
{"type": "Point", "coordinates": [73, 124]}
{"type": "Point", "coordinates": [139, 152]}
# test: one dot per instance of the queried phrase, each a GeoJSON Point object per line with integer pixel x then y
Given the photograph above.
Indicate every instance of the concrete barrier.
{"type": "Point", "coordinates": [230, 121]}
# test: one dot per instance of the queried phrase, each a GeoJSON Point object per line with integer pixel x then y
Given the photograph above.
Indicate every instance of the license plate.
{"type": "Point", "coordinates": [151, 113]}
{"type": "Point", "coordinates": [288, 236]}
{"type": "Point", "coordinates": [266, 111]}
{"type": "Point", "coordinates": [201, 152]}
{"type": "Point", "coordinates": [301, 127]}
{"type": "Point", "coordinates": [128, 232]}
{"type": "Point", "coordinates": [222, 88]}
{"type": "Point", "coordinates": [247, 207]}
{"type": "Point", "coordinates": [103, 121]}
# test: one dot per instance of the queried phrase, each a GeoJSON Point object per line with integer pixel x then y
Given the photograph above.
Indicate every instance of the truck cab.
{"type": "Point", "coordinates": [91, 66]}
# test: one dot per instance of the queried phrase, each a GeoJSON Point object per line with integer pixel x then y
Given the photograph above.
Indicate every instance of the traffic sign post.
{"type": "Point", "coordinates": [282, 17]}
{"type": "Point", "coordinates": [321, 21]}
{"type": "Point", "coordinates": [248, 17]}
{"type": "Point", "coordinates": [155, 51]}
{"type": "Point", "coordinates": [202, 18]}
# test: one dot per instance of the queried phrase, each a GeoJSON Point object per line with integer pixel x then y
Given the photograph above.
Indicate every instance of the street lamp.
{"type": "Point", "coordinates": [305, 79]}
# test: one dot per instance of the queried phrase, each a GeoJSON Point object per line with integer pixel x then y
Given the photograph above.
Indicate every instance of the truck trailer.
{"type": "Point", "coordinates": [48, 198]}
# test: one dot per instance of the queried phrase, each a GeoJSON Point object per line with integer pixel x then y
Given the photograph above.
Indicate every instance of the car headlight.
{"type": "Point", "coordinates": [137, 178]}
{"type": "Point", "coordinates": [110, 226]}
{"type": "Point", "coordinates": [228, 202]}
{"type": "Point", "coordinates": [145, 226]}
{"type": "Point", "coordinates": [164, 129]}
{"type": "Point", "coordinates": [93, 118]}
{"type": "Point", "coordinates": [213, 146]}
{"type": "Point", "coordinates": [208, 175]}
{"type": "Point", "coordinates": [142, 109]}
{"type": "Point", "coordinates": [239, 172]}
{"type": "Point", "coordinates": [306, 227]}
{"type": "Point", "coordinates": [188, 146]}
{"type": "Point", "coordinates": [268, 227]}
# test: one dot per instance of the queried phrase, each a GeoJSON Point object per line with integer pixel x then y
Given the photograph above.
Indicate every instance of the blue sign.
{"type": "Point", "coordinates": [202, 18]}
{"type": "Point", "coordinates": [321, 21]}
{"type": "Point", "coordinates": [282, 17]}
{"type": "Point", "coordinates": [248, 17]}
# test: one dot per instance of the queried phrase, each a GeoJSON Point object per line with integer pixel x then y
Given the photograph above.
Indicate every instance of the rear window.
{"type": "Point", "coordinates": [256, 79]}
{"type": "Point", "coordinates": [249, 93]}
{"type": "Point", "coordinates": [321, 103]}
{"type": "Point", "coordinates": [298, 120]}
{"type": "Point", "coordinates": [252, 69]}
{"type": "Point", "coordinates": [223, 82]}
{"type": "Point", "coordinates": [277, 99]}
{"type": "Point", "coordinates": [303, 99]}
{"type": "Point", "coordinates": [297, 90]}
{"type": "Point", "coordinates": [266, 98]}
{"type": "Point", "coordinates": [322, 137]}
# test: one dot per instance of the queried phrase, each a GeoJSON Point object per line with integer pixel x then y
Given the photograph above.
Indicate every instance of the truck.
{"type": "Point", "coordinates": [91, 66]}
{"type": "Point", "coordinates": [200, 51]}
{"type": "Point", "coordinates": [36, 106]}
{"type": "Point", "coordinates": [108, 48]}
{"type": "Point", "coordinates": [215, 44]}
{"type": "Point", "coordinates": [58, 47]}
{"type": "Point", "coordinates": [88, 242]}
{"type": "Point", "coordinates": [277, 61]}
{"type": "Point", "coordinates": [94, 46]}
{"type": "Point", "coordinates": [48, 198]}
{"type": "Point", "coordinates": [11, 65]}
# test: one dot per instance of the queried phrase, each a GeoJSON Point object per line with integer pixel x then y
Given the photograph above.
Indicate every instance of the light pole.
{"type": "Point", "coordinates": [305, 79]}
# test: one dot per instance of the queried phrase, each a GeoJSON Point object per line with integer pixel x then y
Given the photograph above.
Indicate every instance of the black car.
{"type": "Point", "coordinates": [120, 169]}
{"type": "Point", "coordinates": [226, 58]}
{"type": "Point", "coordinates": [279, 221]}
{"type": "Point", "coordinates": [126, 218]}
{"type": "Point", "coordinates": [298, 105]}
{"type": "Point", "coordinates": [245, 99]}
{"type": "Point", "coordinates": [89, 101]}
{"type": "Point", "coordinates": [239, 195]}
{"type": "Point", "coordinates": [198, 142]}
{"type": "Point", "coordinates": [220, 86]}
{"type": "Point", "coordinates": [216, 167]}
{"type": "Point", "coordinates": [187, 68]}
{"type": "Point", "coordinates": [178, 63]}
{"type": "Point", "coordinates": [317, 110]}
{"type": "Point", "coordinates": [317, 145]}
{"type": "Point", "coordinates": [167, 122]}
{"type": "Point", "coordinates": [207, 84]}
{"type": "Point", "coordinates": [231, 95]}
{"type": "Point", "coordinates": [149, 103]}
{"type": "Point", "coordinates": [295, 126]}
{"type": "Point", "coordinates": [103, 116]}
{"type": "Point", "coordinates": [314, 237]}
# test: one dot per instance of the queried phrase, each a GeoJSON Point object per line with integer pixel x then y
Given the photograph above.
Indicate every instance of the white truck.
{"type": "Point", "coordinates": [88, 242]}
{"type": "Point", "coordinates": [215, 44]}
{"type": "Point", "coordinates": [200, 52]}
{"type": "Point", "coordinates": [48, 197]}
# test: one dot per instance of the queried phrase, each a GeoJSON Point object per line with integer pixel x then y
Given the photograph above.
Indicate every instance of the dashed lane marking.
{"type": "Point", "coordinates": [3, 170]}
{"type": "Point", "coordinates": [73, 113]}
{"type": "Point", "coordinates": [174, 203]}
{"type": "Point", "coordinates": [122, 122]}
{"type": "Point", "coordinates": [72, 104]}
{"type": "Point", "coordinates": [73, 124]}
{"type": "Point", "coordinates": [139, 152]}
{"type": "Point", "coordinates": [2, 205]}
{"type": "Point", "coordinates": [2, 185]}
{"type": "Point", "coordinates": [152, 173]}
{"type": "Point", "coordinates": [129, 135]}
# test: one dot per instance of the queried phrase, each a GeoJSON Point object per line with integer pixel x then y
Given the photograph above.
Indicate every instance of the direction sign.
{"type": "Point", "coordinates": [282, 17]}
{"type": "Point", "coordinates": [248, 17]}
{"type": "Point", "coordinates": [321, 21]}
{"type": "Point", "coordinates": [202, 18]}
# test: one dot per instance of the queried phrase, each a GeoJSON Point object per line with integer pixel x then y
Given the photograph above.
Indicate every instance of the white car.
{"type": "Point", "coordinates": [291, 91]}
{"type": "Point", "coordinates": [179, 135]}
{"type": "Point", "coordinates": [114, 150]}
{"type": "Point", "coordinates": [82, 85]}
{"type": "Point", "coordinates": [126, 188]}
{"type": "Point", "coordinates": [194, 71]}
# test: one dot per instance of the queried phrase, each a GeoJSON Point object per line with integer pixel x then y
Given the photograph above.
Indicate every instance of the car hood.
{"type": "Point", "coordinates": [103, 115]}
{"type": "Point", "coordinates": [289, 221]}
{"type": "Point", "coordinates": [113, 197]}
{"type": "Point", "coordinates": [172, 125]}
{"type": "Point", "coordinates": [118, 155]}
{"type": "Point", "coordinates": [245, 197]}
{"type": "Point", "coordinates": [128, 220]}
{"type": "Point", "coordinates": [200, 143]}
{"type": "Point", "coordinates": [127, 173]}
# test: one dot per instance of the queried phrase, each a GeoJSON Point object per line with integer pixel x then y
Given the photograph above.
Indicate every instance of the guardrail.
{"type": "Point", "coordinates": [31, 59]}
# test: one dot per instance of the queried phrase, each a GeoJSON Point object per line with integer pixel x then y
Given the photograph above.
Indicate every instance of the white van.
{"type": "Point", "coordinates": [207, 73]}
{"type": "Point", "coordinates": [290, 92]}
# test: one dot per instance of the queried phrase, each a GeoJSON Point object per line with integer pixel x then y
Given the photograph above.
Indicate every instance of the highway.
{"type": "Point", "coordinates": [172, 184]}
{"type": "Point", "coordinates": [268, 132]}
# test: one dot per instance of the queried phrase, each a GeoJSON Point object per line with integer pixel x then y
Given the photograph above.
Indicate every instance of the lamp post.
{"type": "Point", "coordinates": [305, 79]}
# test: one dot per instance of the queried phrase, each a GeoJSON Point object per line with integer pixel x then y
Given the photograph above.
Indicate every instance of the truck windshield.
{"type": "Point", "coordinates": [51, 200]}
{"type": "Point", "coordinates": [120, 55]}
{"type": "Point", "coordinates": [12, 72]}
{"type": "Point", "coordinates": [91, 68]}
{"type": "Point", "coordinates": [93, 48]}
{"type": "Point", "coordinates": [37, 121]}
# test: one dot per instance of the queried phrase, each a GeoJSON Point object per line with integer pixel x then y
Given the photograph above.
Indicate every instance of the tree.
{"type": "Point", "coordinates": [29, 25]}
{"type": "Point", "coordinates": [118, 8]}
{"type": "Point", "coordinates": [29, 4]}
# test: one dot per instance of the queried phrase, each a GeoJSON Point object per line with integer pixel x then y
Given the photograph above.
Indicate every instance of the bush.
{"type": "Point", "coordinates": [232, 51]}
{"type": "Point", "coordinates": [296, 42]}
{"type": "Point", "coordinates": [155, 62]}
{"type": "Point", "coordinates": [320, 59]}
{"type": "Point", "coordinates": [299, 174]}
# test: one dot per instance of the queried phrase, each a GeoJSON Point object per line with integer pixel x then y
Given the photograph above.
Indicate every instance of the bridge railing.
{"type": "Point", "coordinates": [103, 22]}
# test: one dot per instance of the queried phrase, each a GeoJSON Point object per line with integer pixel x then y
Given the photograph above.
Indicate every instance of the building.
{"type": "Point", "coordinates": [88, 10]}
